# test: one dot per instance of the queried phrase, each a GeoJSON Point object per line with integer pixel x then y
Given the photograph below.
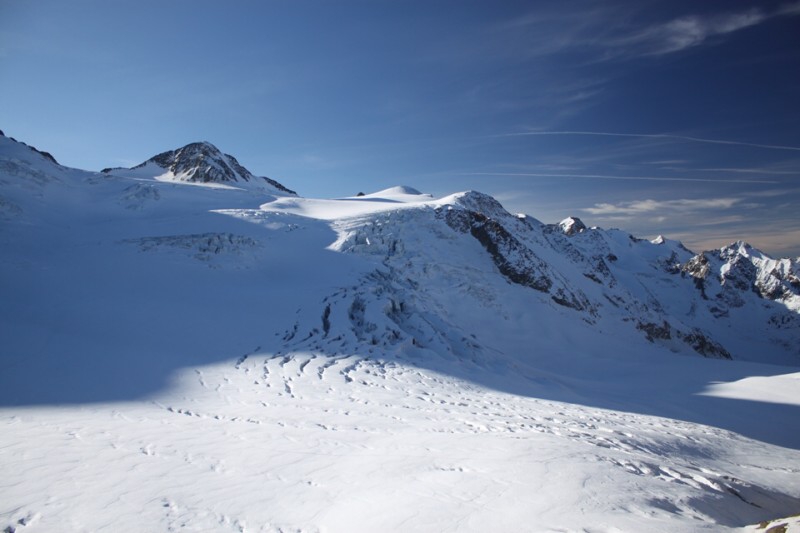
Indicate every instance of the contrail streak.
{"type": "Point", "coordinates": [653, 136]}
{"type": "Point", "coordinates": [607, 177]}
{"type": "Point", "coordinates": [740, 171]}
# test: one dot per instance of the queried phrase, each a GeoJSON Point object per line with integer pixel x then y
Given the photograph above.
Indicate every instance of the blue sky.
{"type": "Point", "coordinates": [658, 117]}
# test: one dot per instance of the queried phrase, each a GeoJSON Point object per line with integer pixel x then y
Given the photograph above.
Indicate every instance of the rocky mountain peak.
{"type": "Point", "coordinates": [481, 203]}
{"type": "Point", "coordinates": [737, 249]}
{"type": "Point", "coordinates": [202, 162]}
{"type": "Point", "coordinates": [571, 226]}
{"type": "Point", "coordinates": [193, 154]}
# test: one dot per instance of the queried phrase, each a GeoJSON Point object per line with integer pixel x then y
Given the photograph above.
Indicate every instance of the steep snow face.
{"type": "Point", "coordinates": [22, 162]}
{"type": "Point", "coordinates": [224, 360]}
{"type": "Point", "coordinates": [201, 163]}
{"type": "Point", "coordinates": [21, 148]}
{"type": "Point", "coordinates": [32, 182]}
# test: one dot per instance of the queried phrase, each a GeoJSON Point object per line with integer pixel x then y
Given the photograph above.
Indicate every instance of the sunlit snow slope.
{"type": "Point", "coordinates": [188, 347]}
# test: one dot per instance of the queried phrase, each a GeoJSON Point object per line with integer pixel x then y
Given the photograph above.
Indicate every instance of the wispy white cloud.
{"type": "Point", "coordinates": [789, 9]}
{"type": "Point", "coordinates": [764, 171]}
{"type": "Point", "coordinates": [706, 223]}
{"type": "Point", "coordinates": [652, 136]}
{"type": "Point", "coordinates": [612, 32]}
{"type": "Point", "coordinates": [781, 243]}
{"type": "Point", "coordinates": [686, 32]}
{"type": "Point", "coordinates": [666, 162]}
{"type": "Point", "coordinates": [773, 193]}
{"type": "Point", "coordinates": [639, 207]}
{"type": "Point", "coordinates": [547, 31]}
{"type": "Point", "coordinates": [612, 177]}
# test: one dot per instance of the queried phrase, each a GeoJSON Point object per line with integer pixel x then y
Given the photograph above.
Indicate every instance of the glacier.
{"type": "Point", "coordinates": [189, 346]}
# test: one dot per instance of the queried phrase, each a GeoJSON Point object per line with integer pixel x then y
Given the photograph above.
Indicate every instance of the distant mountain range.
{"type": "Point", "coordinates": [426, 254]}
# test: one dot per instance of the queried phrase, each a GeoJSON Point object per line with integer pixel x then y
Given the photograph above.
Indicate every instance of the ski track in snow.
{"type": "Point", "coordinates": [300, 443]}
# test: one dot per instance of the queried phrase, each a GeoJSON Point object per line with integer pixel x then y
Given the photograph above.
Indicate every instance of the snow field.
{"type": "Point", "coordinates": [178, 356]}
{"type": "Point", "coordinates": [307, 443]}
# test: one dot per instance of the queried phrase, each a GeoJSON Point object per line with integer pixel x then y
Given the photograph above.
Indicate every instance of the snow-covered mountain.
{"type": "Point", "coordinates": [188, 345]}
{"type": "Point", "coordinates": [605, 280]}
{"type": "Point", "coordinates": [200, 162]}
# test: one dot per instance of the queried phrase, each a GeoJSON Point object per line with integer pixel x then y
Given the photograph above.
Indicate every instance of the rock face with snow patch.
{"type": "Point", "coordinates": [202, 162]}
{"type": "Point", "coordinates": [572, 225]}
{"type": "Point", "coordinates": [738, 274]}
{"type": "Point", "coordinates": [516, 262]}
{"type": "Point", "coordinates": [657, 290]}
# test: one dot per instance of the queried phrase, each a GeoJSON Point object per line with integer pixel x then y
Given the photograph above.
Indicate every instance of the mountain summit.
{"type": "Point", "coordinates": [202, 162]}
